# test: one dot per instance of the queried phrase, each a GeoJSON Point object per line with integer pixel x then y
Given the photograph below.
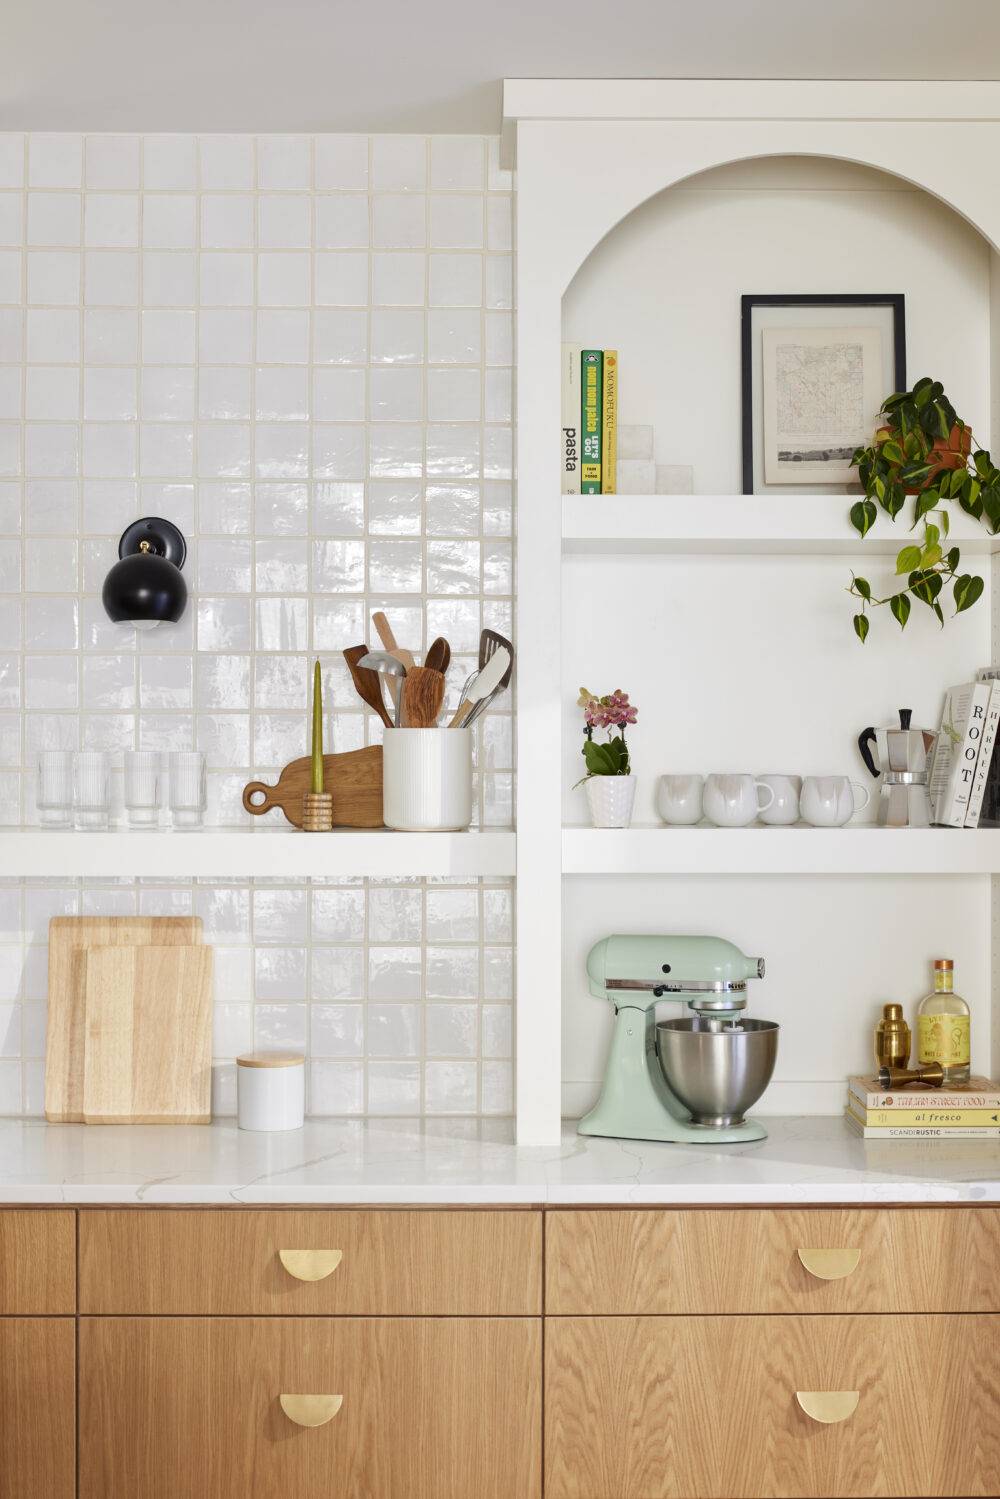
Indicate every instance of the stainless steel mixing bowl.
{"type": "Point", "coordinates": [716, 1071]}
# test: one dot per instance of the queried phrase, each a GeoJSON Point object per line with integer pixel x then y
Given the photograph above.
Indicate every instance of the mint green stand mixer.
{"type": "Point", "coordinates": [689, 1080]}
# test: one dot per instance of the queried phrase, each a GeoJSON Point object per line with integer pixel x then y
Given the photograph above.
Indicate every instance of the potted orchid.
{"type": "Point", "coordinates": [609, 780]}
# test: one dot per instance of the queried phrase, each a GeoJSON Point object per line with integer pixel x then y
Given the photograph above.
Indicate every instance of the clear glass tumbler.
{"type": "Point", "coordinates": [54, 790]}
{"type": "Point", "coordinates": [187, 789]}
{"type": "Point", "coordinates": [142, 788]}
{"type": "Point", "coordinates": [91, 790]}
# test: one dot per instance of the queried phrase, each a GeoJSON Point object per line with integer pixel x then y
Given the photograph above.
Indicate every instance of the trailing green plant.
{"type": "Point", "coordinates": [923, 449]}
{"type": "Point", "coordinates": [613, 711]}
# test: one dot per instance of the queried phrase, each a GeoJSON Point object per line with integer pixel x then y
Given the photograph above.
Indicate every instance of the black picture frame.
{"type": "Point", "coordinates": [895, 300]}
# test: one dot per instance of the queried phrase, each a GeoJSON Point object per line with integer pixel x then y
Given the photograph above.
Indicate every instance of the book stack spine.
{"type": "Point", "coordinates": [591, 410]}
{"type": "Point", "coordinates": [609, 423]}
{"type": "Point", "coordinates": [973, 1112]}
{"type": "Point", "coordinates": [571, 410]}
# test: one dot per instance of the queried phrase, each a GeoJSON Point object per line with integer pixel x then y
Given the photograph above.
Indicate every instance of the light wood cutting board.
{"type": "Point", "coordinates": [69, 936]}
{"type": "Point", "coordinates": [148, 1035]}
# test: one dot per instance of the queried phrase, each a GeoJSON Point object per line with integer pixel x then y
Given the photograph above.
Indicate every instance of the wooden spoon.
{"type": "Point", "coordinates": [423, 694]}
{"type": "Point", "coordinates": [438, 656]}
{"type": "Point", "coordinates": [367, 683]}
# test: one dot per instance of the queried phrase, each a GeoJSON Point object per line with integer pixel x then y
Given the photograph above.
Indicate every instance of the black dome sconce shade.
{"type": "Point", "coordinates": [145, 588]}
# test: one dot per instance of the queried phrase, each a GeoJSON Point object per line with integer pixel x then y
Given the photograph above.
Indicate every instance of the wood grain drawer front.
{"type": "Point", "coordinates": [707, 1407]}
{"type": "Point", "coordinates": [179, 1408]}
{"type": "Point", "coordinates": [37, 1263]}
{"type": "Point", "coordinates": [37, 1408]}
{"type": "Point", "coordinates": [664, 1261]}
{"type": "Point", "coordinates": [229, 1263]}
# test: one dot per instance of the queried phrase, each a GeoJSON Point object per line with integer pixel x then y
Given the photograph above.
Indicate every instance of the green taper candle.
{"type": "Point", "coordinates": [316, 780]}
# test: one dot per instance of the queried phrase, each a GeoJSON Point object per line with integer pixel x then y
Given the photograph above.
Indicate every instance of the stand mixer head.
{"type": "Point", "coordinates": [685, 1080]}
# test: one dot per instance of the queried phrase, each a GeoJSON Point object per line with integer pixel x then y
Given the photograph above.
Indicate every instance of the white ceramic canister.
{"type": "Point", "coordinates": [427, 780]}
{"type": "Point", "coordinates": [271, 1090]}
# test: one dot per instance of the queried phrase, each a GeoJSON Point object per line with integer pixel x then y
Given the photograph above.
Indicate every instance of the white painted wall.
{"type": "Point", "coordinates": [743, 663]}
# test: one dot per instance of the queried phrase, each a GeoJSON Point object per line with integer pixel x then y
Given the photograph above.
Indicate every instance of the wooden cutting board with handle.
{"type": "Point", "coordinates": [354, 778]}
{"type": "Point", "coordinates": [69, 937]}
{"type": "Point", "coordinates": [148, 1035]}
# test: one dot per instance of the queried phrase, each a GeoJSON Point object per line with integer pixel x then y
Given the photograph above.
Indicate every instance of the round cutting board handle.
{"type": "Point", "coordinates": [257, 788]}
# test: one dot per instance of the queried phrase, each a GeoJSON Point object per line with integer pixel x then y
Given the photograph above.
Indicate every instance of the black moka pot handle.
{"type": "Point", "coordinates": [864, 739]}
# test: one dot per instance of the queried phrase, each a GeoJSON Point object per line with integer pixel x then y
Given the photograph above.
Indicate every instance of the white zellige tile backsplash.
{"type": "Point", "coordinates": [300, 350]}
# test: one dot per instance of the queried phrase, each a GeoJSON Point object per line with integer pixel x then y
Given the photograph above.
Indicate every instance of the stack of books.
{"type": "Point", "coordinates": [589, 431]}
{"type": "Point", "coordinates": [966, 1110]}
{"type": "Point", "coordinates": [964, 782]}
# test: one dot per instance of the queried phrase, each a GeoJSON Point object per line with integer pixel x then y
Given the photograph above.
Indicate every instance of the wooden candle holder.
{"type": "Point", "coordinates": [317, 812]}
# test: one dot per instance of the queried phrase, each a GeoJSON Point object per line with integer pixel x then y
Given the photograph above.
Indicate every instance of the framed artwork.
{"type": "Point", "coordinates": [816, 369]}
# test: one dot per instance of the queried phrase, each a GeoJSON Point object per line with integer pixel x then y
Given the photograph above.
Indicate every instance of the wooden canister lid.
{"type": "Point", "coordinates": [270, 1059]}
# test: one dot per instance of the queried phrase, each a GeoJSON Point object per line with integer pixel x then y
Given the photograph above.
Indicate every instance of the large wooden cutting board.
{"type": "Point", "coordinates": [353, 777]}
{"type": "Point", "coordinates": [148, 1030]}
{"type": "Point", "coordinates": [69, 936]}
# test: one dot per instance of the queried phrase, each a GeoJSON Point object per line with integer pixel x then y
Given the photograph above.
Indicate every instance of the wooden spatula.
{"type": "Point", "coordinates": [438, 656]}
{"type": "Point", "coordinates": [388, 639]}
{"type": "Point", "coordinates": [423, 694]}
{"type": "Point", "coordinates": [367, 684]}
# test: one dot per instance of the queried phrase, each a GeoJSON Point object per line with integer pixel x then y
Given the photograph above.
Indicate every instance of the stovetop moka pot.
{"type": "Point", "coordinates": [904, 761]}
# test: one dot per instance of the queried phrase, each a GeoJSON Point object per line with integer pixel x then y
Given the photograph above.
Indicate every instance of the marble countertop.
{"type": "Point", "coordinates": [804, 1160]}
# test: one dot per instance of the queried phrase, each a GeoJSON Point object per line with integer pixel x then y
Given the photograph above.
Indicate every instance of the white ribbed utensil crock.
{"type": "Point", "coordinates": [610, 799]}
{"type": "Point", "coordinates": [427, 780]}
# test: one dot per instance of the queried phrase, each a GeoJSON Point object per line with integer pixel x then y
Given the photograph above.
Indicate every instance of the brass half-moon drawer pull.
{"type": "Point", "coordinates": [828, 1406]}
{"type": "Point", "coordinates": [311, 1410]}
{"type": "Point", "coordinates": [830, 1264]}
{"type": "Point", "coordinates": [310, 1264]}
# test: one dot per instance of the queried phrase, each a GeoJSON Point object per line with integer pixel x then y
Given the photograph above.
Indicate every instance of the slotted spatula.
{"type": "Point", "coordinates": [367, 683]}
{"type": "Point", "coordinates": [489, 643]}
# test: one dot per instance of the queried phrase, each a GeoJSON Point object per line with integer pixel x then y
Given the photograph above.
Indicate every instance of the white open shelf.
{"type": "Point", "coordinates": [791, 524]}
{"type": "Point", "coordinates": [861, 849]}
{"type": "Point", "coordinates": [243, 853]}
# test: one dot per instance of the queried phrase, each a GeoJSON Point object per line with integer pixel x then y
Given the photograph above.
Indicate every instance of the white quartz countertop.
{"type": "Point", "coordinates": [804, 1160]}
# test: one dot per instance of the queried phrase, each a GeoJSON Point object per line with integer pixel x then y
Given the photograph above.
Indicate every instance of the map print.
{"type": "Point", "coordinates": [820, 405]}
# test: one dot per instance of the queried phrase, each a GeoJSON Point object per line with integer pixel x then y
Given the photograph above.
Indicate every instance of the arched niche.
{"type": "Point", "coordinates": [663, 286]}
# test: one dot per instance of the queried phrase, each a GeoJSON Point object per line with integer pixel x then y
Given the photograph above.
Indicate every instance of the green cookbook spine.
{"type": "Point", "coordinates": [591, 413]}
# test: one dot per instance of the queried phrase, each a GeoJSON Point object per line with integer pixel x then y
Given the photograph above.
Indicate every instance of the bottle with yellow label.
{"type": "Point", "coordinates": [943, 1026]}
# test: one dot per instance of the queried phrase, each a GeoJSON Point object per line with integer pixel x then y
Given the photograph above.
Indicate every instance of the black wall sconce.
{"type": "Point", "coordinates": [146, 588]}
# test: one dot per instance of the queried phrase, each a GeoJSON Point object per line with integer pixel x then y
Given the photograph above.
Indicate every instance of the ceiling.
{"type": "Point", "coordinates": [436, 65]}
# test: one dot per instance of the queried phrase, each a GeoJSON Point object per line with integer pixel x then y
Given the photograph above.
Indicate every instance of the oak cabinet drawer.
{"type": "Point", "coordinates": [37, 1408]}
{"type": "Point", "coordinates": [369, 1263]}
{"type": "Point", "coordinates": [665, 1261]}
{"type": "Point", "coordinates": [37, 1263]}
{"type": "Point", "coordinates": [179, 1408]}
{"type": "Point", "coordinates": [716, 1407]}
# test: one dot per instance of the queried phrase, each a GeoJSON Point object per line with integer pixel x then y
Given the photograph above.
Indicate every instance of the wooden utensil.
{"type": "Point", "coordinates": [388, 639]}
{"type": "Point", "coordinates": [69, 937]}
{"type": "Point", "coordinates": [367, 684]}
{"type": "Point", "coordinates": [423, 694]}
{"type": "Point", "coordinates": [148, 1035]}
{"type": "Point", "coordinates": [486, 683]}
{"type": "Point", "coordinates": [353, 778]}
{"type": "Point", "coordinates": [438, 656]}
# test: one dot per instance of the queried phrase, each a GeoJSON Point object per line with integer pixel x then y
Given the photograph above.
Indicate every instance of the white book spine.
{"type": "Point", "coordinates": [950, 735]}
{"type": "Point", "coordinates": [963, 769]}
{"type": "Point", "coordinates": [569, 435]}
{"type": "Point", "coordinates": [985, 759]}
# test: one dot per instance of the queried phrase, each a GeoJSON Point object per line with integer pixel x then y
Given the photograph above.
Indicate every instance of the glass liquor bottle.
{"type": "Point", "coordinates": [943, 1026]}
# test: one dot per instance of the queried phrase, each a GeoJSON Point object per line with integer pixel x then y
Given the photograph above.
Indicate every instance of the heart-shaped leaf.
{"type": "Point", "coordinates": [861, 624]}
{"type": "Point", "coordinates": [968, 588]}
{"type": "Point", "coordinates": [863, 515]}
{"type": "Point", "coordinates": [900, 607]}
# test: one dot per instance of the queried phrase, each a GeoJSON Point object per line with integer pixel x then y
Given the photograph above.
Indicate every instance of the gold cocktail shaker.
{"type": "Point", "coordinates": [892, 1038]}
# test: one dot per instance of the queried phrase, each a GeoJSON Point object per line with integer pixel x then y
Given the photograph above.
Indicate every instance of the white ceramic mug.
{"type": "Point", "coordinates": [679, 799]}
{"type": "Point", "coordinates": [829, 801]}
{"type": "Point", "coordinates": [427, 779]}
{"type": "Point", "coordinates": [784, 810]}
{"type": "Point", "coordinates": [733, 801]}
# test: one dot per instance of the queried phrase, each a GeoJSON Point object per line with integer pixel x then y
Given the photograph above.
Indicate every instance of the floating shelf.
{"type": "Point", "coordinates": [858, 849]}
{"type": "Point", "coordinates": [220, 853]}
{"type": "Point", "coordinates": [794, 524]}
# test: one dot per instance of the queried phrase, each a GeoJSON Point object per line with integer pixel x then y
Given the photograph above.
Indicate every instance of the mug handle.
{"type": "Point", "coordinates": [859, 786]}
{"type": "Point", "coordinates": [763, 786]}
